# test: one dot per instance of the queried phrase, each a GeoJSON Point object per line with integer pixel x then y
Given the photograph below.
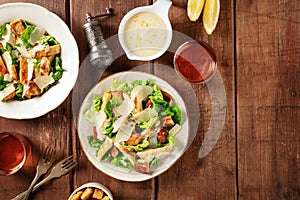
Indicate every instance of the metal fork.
{"type": "Point", "coordinates": [61, 168]}
{"type": "Point", "coordinates": [46, 160]}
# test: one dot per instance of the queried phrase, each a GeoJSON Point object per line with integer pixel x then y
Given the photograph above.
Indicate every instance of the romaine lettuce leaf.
{"type": "Point", "coordinates": [154, 162]}
{"type": "Point", "coordinates": [93, 142]}
{"type": "Point", "coordinates": [174, 112]}
{"type": "Point", "coordinates": [25, 36]}
{"type": "Point", "coordinates": [2, 29]}
{"type": "Point", "coordinates": [121, 161]}
{"type": "Point", "coordinates": [148, 124]}
{"type": "Point", "coordinates": [118, 85]}
{"type": "Point", "coordinates": [115, 102]}
{"type": "Point", "coordinates": [3, 83]}
{"type": "Point", "coordinates": [95, 107]}
{"type": "Point", "coordinates": [108, 111]}
{"type": "Point", "coordinates": [57, 69]}
{"type": "Point", "coordinates": [50, 40]}
{"type": "Point", "coordinates": [136, 83]}
{"type": "Point", "coordinates": [108, 129]}
{"type": "Point", "coordinates": [19, 92]}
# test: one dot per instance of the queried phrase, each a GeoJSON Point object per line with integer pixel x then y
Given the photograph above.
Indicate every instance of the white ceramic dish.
{"type": "Point", "coordinates": [56, 27]}
{"type": "Point", "coordinates": [159, 8]}
{"type": "Point", "coordinates": [85, 128]}
{"type": "Point", "coordinates": [93, 185]}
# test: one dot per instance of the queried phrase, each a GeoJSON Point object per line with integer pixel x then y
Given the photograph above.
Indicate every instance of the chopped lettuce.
{"type": "Point", "coordinates": [115, 102]}
{"type": "Point", "coordinates": [148, 82]}
{"type": "Point", "coordinates": [171, 140]}
{"type": "Point", "coordinates": [50, 40]}
{"type": "Point", "coordinates": [96, 104]}
{"type": "Point", "coordinates": [108, 129]}
{"type": "Point", "coordinates": [127, 87]}
{"type": "Point", "coordinates": [25, 36]}
{"type": "Point", "coordinates": [174, 112]}
{"type": "Point", "coordinates": [158, 100]}
{"type": "Point", "coordinates": [158, 104]}
{"type": "Point", "coordinates": [3, 83]}
{"type": "Point", "coordinates": [136, 83]}
{"type": "Point", "coordinates": [19, 92]}
{"type": "Point", "coordinates": [93, 142]}
{"type": "Point", "coordinates": [154, 162]}
{"type": "Point", "coordinates": [121, 161]}
{"type": "Point", "coordinates": [13, 54]}
{"type": "Point", "coordinates": [107, 156]}
{"type": "Point", "coordinates": [2, 29]}
{"type": "Point", "coordinates": [148, 124]}
{"type": "Point", "coordinates": [138, 147]}
{"type": "Point", "coordinates": [95, 107]}
{"type": "Point", "coordinates": [108, 111]}
{"type": "Point", "coordinates": [121, 86]}
{"type": "Point", "coordinates": [157, 93]}
{"type": "Point", "coordinates": [57, 69]}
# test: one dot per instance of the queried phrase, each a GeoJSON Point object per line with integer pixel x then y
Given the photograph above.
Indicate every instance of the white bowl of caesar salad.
{"type": "Point", "coordinates": [39, 61]}
{"type": "Point", "coordinates": [133, 126]}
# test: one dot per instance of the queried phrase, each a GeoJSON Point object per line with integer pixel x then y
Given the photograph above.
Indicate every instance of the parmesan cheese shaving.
{"type": "Point", "coordinates": [100, 118]}
{"type": "Point", "coordinates": [36, 34]}
{"type": "Point", "coordinates": [124, 133]}
{"type": "Point", "coordinates": [25, 88]}
{"type": "Point", "coordinates": [175, 129]}
{"type": "Point", "coordinates": [7, 91]}
{"type": "Point", "coordinates": [30, 69]}
{"type": "Point", "coordinates": [145, 115]}
{"type": "Point", "coordinates": [43, 81]}
{"type": "Point", "coordinates": [8, 37]}
{"type": "Point", "coordinates": [8, 62]}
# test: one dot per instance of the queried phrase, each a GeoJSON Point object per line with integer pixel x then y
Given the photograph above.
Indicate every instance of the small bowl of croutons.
{"type": "Point", "coordinates": [91, 191]}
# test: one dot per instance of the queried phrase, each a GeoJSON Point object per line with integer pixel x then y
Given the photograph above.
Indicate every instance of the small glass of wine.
{"type": "Point", "coordinates": [195, 61]}
{"type": "Point", "coordinates": [14, 150]}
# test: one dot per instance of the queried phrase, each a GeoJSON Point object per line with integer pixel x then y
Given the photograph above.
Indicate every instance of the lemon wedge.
{"type": "Point", "coordinates": [211, 15]}
{"type": "Point", "coordinates": [194, 8]}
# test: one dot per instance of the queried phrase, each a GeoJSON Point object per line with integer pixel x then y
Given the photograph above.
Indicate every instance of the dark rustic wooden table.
{"type": "Point", "coordinates": [257, 155]}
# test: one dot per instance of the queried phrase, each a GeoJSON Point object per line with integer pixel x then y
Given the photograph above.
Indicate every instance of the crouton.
{"type": "Point", "coordinates": [77, 195]}
{"type": "Point", "coordinates": [98, 194]}
{"type": "Point", "coordinates": [88, 192]}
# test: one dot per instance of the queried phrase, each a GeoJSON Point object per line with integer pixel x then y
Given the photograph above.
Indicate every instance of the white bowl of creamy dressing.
{"type": "Point", "coordinates": [145, 33]}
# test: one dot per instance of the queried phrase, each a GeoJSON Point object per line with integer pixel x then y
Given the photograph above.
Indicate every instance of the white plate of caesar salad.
{"type": "Point", "coordinates": [39, 61]}
{"type": "Point", "coordinates": [133, 126]}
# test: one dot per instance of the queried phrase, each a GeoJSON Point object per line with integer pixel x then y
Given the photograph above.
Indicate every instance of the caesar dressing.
{"type": "Point", "coordinates": [145, 34]}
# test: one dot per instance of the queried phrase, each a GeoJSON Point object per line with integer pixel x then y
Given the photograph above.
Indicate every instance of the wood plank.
{"type": "Point", "coordinates": [51, 130]}
{"type": "Point", "coordinates": [214, 176]}
{"type": "Point", "coordinates": [268, 73]}
{"type": "Point", "coordinates": [87, 172]}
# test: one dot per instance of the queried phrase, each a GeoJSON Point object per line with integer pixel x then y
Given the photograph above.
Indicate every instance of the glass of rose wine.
{"type": "Point", "coordinates": [14, 151]}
